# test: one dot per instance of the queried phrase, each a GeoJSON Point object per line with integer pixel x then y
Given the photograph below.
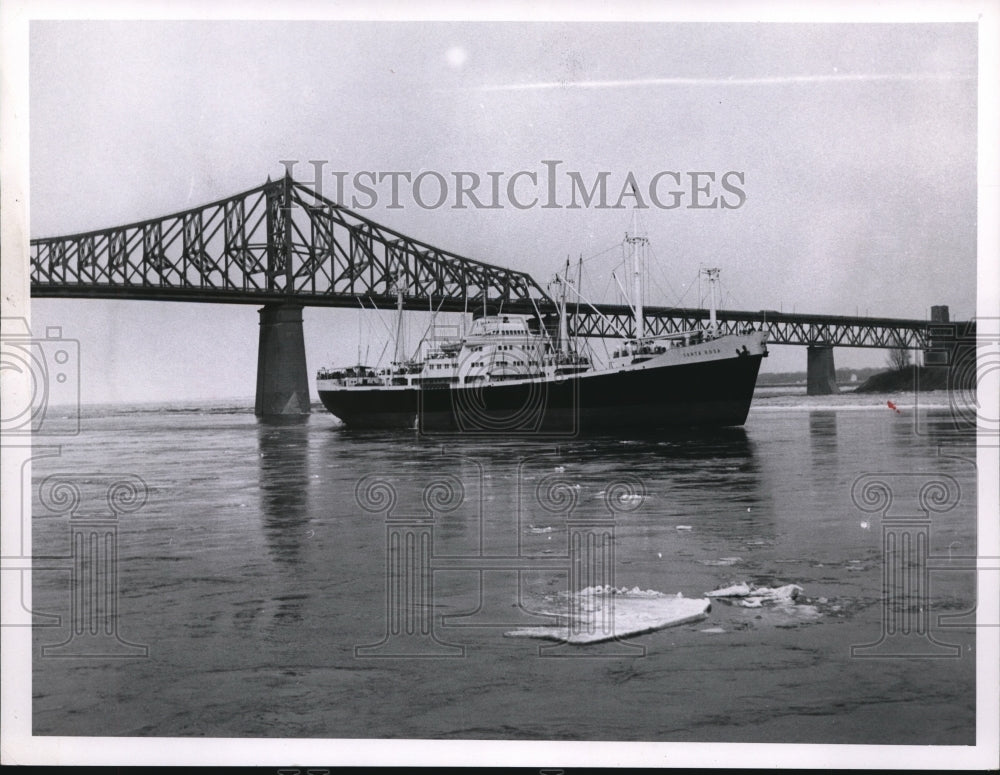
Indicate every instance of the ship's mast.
{"type": "Point", "coordinates": [359, 338]}
{"type": "Point", "coordinates": [400, 331]}
{"type": "Point", "coordinates": [713, 278]}
{"type": "Point", "coordinates": [576, 315]}
{"type": "Point", "coordinates": [563, 325]}
{"type": "Point", "coordinates": [637, 244]}
{"type": "Point", "coordinates": [465, 313]}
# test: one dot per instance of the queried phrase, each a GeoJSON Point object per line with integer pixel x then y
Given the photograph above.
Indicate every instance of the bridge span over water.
{"type": "Point", "coordinates": [283, 247]}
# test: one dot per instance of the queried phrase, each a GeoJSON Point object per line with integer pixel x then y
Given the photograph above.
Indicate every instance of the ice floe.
{"type": "Point", "coordinates": [778, 606]}
{"type": "Point", "coordinates": [752, 596]}
{"type": "Point", "coordinates": [598, 614]}
{"type": "Point", "coordinates": [736, 590]}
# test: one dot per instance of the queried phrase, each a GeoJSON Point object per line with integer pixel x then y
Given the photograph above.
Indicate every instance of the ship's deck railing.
{"type": "Point", "coordinates": [678, 339]}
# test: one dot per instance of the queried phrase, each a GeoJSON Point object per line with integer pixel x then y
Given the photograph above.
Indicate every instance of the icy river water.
{"type": "Point", "coordinates": [256, 598]}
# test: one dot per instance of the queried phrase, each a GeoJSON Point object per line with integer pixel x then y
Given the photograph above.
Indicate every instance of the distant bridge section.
{"type": "Point", "coordinates": [819, 333]}
{"type": "Point", "coordinates": [606, 320]}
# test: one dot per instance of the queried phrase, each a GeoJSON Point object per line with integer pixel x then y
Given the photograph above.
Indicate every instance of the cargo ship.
{"type": "Point", "coordinates": [509, 374]}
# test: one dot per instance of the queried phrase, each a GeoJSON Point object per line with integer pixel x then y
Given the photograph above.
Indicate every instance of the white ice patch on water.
{"type": "Point", "coordinates": [752, 596]}
{"type": "Point", "coordinates": [608, 589]}
{"type": "Point", "coordinates": [736, 590]}
{"type": "Point", "coordinates": [777, 605]}
{"type": "Point", "coordinates": [598, 614]}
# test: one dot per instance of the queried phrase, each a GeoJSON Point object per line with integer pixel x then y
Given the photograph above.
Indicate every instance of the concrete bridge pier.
{"type": "Point", "coordinates": [821, 375]}
{"type": "Point", "coordinates": [282, 381]}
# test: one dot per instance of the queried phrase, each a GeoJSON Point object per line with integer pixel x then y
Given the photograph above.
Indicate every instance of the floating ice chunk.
{"type": "Point", "coordinates": [752, 596]}
{"type": "Point", "coordinates": [736, 590]}
{"type": "Point", "coordinates": [683, 527]}
{"type": "Point", "coordinates": [598, 614]}
{"type": "Point", "coordinates": [560, 469]}
{"type": "Point", "coordinates": [607, 589]}
{"type": "Point", "coordinates": [712, 630]}
{"type": "Point", "coordinates": [787, 592]}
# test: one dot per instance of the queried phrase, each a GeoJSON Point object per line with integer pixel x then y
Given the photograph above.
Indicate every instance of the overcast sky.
{"type": "Point", "coordinates": [856, 145]}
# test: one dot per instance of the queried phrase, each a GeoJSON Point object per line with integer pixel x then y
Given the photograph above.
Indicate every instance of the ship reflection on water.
{"type": "Point", "coordinates": [707, 479]}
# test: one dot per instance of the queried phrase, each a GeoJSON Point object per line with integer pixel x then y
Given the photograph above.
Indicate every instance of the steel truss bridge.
{"type": "Point", "coordinates": [282, 245]}
{"type": "Point", "coordinates": [276, 243]}
{"type": "Point", "coordinates": [782, 328]}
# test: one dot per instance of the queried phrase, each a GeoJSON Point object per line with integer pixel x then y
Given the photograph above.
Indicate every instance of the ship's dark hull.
{"type": "Point", "coordinates": [707, 393]}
